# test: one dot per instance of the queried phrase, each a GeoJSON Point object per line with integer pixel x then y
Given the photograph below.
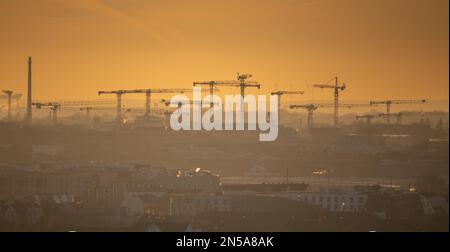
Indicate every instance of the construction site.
{"type": "Point", "coordinates": [335, 144]}
{"type": "Point", "coordinates": [134, 131]}
{"type": "Point", "coordinates": [90, 92]}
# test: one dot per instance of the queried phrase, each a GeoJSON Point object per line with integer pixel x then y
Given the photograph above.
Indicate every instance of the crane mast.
{"type": "Point", "coordinates": [118, 94]}
{"type": "Point", "coordinates": [310, 108]}
{"type": "Point", "coordinates": [337, 88]}
{"type": "Point", "coordinates": [148, 93]}
{"type": "Point", "coordinates": [212, 85]}
{"type": "Point", "coordinates": [15, 96]}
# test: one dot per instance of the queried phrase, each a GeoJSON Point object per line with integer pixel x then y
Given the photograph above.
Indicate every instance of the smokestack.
{"type": "Point", "coordinates": [29, 100]}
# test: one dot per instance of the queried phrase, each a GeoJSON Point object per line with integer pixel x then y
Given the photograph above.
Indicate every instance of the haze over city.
{"type": "Point", "coordinates": [82, 46]}
{"type": "Point", "coordinates": [101, 128]}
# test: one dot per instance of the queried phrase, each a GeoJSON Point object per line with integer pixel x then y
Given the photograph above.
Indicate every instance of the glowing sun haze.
{"type": "Point", "coordinates": [380, 48]}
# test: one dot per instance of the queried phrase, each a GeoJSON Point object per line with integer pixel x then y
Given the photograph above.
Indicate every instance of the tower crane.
{"type": "Point", "coordinates": [88, 110]}
{"type": "Point", "coordinates": [241, 82]}
{"type": "Point", "coordinates": [388, 104]}
{"type": "Point", "coordinates": [87, 105]}
{"type": "Point", "coordinates": [310, 108]}
{"type": "Point", "coordinates": [212, 86]}
{"type": "Point", "coordinates": [398, 116]}
{"type": "Point", "coordinates": [281, 93]}
{"type": "Point", "coordinates": [118, 94]}
{"type": "Point", "coordinates": [147, 93]}
{"type": "Point", "coordinates": [337, 88]}
{"type": "Point", "coordinates": [313, 107]}
{"type": "Point", "coordinates": [180, 103]}
{"type": "Point", "coordinates": [9, 96]}
{"type": "Point", "coordinates": [54, 106]}
{"type": "Point", "coordinates": [16, 97]}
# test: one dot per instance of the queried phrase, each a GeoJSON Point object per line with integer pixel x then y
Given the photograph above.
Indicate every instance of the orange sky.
{"type": "Point", "coordinates": [380, 48]}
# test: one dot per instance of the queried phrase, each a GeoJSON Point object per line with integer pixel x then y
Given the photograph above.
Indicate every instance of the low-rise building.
{"type": "Point", "coordinates": [150, 205]}
{"type": "Point", "coordinates": [331, 199]}
{"type": "Point", "coordinates": [21, 182]}
{"type": "Point", "coordinates": [194, 204]}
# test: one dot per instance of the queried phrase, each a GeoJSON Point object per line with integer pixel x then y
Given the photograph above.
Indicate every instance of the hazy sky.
{"type": "Point", "coordinates": [380, 48]}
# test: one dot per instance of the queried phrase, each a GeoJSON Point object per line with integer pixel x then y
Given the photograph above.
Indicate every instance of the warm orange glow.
{"type": "Point", "coordinates": [382, 49]}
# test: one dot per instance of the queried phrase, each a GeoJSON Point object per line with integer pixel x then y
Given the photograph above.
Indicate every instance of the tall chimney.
{"type": "Point", "coordinates": [29, 100]}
